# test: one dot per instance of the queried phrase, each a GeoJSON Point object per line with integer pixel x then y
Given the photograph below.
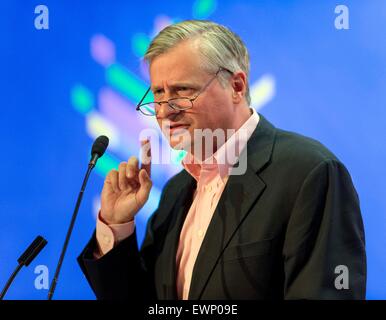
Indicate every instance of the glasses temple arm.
{"type": "Point", "coordinates": [143, 98]}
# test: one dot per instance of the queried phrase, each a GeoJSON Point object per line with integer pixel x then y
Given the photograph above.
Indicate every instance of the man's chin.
{"type": "Point", "coordinates": [180, 144]}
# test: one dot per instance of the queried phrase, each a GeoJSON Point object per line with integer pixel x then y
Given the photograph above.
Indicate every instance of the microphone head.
{"type": "Point", "coordinates": [32, 251]}
{"type": "Point", "coordinates": [100, 145]}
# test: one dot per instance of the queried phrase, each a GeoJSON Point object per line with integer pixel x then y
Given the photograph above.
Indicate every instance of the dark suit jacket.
{"type": "Point", "coordinates": [278, 232]}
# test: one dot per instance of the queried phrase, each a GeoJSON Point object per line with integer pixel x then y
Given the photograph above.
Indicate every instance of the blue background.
{"type": "Point", "coordinates": [327, 83]}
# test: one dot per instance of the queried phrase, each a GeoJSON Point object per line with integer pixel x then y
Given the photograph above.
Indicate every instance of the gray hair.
{"type": "Point", "coordinates": [219, 46]}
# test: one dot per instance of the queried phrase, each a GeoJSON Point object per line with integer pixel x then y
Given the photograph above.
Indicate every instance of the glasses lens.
{"type": "Point", "coordinates": [148, 109]}
{"type": "Point", "coordinates": [151, 108]}
{"type": "Point", "coordinates": [180, 103]}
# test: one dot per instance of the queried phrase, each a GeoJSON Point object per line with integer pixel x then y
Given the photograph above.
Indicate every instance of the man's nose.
{"type": "Point", "coordinates": [165, 111]}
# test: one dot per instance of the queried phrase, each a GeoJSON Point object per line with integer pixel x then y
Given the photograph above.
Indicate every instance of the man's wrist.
{"type": "Point", "coordinates": [109, 222]}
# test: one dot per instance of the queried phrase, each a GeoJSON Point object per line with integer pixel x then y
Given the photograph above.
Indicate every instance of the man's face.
{"type": "Point", "coordinates": [179, 73]}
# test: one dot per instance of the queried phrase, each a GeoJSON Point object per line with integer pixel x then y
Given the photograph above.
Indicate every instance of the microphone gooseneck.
{"type": "Point", "coordinates": [25, 259]}
{"type": "Point", "coordinates": [98, 149]}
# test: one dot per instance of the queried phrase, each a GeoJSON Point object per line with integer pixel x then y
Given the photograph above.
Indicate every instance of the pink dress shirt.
{"type": "Point", "coordinates": [211, 176]}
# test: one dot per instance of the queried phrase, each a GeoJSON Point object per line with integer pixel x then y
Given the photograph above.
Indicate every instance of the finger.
{"type": "Point", "coordinates": [144, 189]}
{"type": "Point", "coordinates": [146, 156]}
{"type": "Point", "coordinates": [132, 168]}
{"type": "Point", "coordinates": [122, 178]}
{"type": "Point", "coordinates": [112, 180]}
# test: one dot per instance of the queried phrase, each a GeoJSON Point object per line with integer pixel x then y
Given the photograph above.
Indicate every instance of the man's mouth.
{"type": "Point", "coordinates": [175, 128]}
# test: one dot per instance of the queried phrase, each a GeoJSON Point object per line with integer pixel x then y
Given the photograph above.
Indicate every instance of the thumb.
{"type": "Point", "coordinates": [145, 186]}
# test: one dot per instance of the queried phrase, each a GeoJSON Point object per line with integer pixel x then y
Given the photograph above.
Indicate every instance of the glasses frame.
{"type": "Point", "coordinates": [169, 101]}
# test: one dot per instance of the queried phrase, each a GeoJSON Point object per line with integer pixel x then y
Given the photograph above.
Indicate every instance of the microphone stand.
{"type": "Point", "coordinates": [10, 280]}
{"type": "Point", "coordinates": [91, 165]}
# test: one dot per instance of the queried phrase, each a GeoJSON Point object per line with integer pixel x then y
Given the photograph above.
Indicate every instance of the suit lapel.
{"type": "Point", "coordinates": [238, 197]}
{"type": "Point", "coordinates": [230, 212]}
{"type": "Point", "coordinates": [184, 195]}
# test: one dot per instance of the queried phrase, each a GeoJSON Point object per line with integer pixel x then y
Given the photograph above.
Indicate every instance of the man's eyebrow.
{"type": "Point", "coordinates": [175, 85]}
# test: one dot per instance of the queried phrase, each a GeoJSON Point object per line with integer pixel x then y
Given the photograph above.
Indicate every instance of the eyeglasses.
{"type": "Point", "coordinates": [179, 104]}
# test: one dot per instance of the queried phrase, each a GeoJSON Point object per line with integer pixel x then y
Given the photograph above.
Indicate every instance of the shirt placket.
{"type": "Point", "coordinates": [207, 194]}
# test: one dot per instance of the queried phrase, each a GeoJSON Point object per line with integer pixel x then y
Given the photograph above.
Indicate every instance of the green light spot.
{"type": "Point", "coordinates": [82, 99]}
{"type": "Point", "coordinates": [106, 163]}
{"type": "Point", "coordinates": [126, 82]}
{"type": "Point", "coordinates": [202, 9]}
{"type": "Point", "coordinates": [178, 156]}
{"type": "Point", "coordinates": [140, 43]}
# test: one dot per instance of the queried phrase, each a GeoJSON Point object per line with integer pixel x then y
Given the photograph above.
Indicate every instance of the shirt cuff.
{"type": "Point", "coordinates": [109, 236]}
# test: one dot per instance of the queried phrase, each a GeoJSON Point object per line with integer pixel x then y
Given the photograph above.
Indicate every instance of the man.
{"type": "Point", "coordinates": [288, 227]}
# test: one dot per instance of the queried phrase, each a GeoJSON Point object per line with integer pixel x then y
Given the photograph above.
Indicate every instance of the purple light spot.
{"type": "Point", "coordinates": [161, 22]}
{"type": "Point", "coordinates": [144, 69]}
{"type": "Point", "coordinates": [102, 50]}
{"type": "Point", "coordinates": [119, 111]}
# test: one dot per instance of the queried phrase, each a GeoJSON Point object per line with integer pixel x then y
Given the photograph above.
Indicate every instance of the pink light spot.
{"type": "Point", "coordinates": [120, 111]}
{"type": "Point", "coordinates": [102, 50]}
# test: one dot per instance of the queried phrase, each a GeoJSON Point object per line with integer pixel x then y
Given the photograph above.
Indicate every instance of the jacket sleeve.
{"type": "Point", "coordinates": [324, 248]}
{"type": "Point", "coordinates": [125, 272]}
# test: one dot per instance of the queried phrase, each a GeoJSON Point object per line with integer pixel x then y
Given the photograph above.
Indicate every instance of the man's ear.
{"type": "Point", "coordinates": [239, 86]}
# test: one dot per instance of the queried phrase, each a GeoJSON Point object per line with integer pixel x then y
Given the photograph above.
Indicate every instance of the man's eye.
{"type": "Point", "coordinates": [157, 95]}
{"type": "Point", "coordinates": [184, 89]}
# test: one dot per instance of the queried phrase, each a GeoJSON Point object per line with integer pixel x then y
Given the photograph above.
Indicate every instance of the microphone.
{"type": "Point", "coordinates": [98, 149]}
{"type": "Point", "coordinates": [25, 259]}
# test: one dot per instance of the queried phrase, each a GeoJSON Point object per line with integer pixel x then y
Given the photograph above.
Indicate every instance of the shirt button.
{"type": "Point", "coordinates": [106, 239]}
{"type": "Point", "coordinates": [208, 188]}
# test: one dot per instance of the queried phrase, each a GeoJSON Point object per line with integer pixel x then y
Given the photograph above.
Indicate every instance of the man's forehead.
{"type": "Point", "coordinates": [175, 75]}
{"type": "Point", "coordinates": [185, 57]}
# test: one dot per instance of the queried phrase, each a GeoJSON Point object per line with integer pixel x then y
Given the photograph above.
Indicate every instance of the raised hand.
{"type": "Point", "coordinates": [126, 190]}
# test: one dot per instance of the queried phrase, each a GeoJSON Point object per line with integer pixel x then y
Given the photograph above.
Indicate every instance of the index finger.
{"type": "Point", "coordinates": [146, 155]}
